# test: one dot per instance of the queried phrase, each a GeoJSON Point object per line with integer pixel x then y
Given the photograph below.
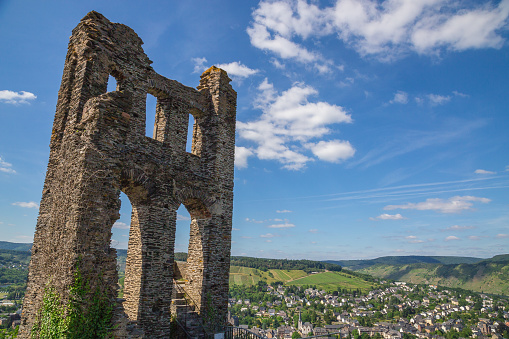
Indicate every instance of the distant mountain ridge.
{"type": "Point", "coordinates": [488, 275]}
{"type": "Point", "coordinates": [13, 246]}
{"type": "Point", "coordinates": [356, 265]}
{"type": "Point", "coordinates": [476, 274]}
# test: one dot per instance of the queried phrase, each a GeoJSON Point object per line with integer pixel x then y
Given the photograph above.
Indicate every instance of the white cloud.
{"type": "Point", "coordinates": [313, 230]}
{"type": "Point", "coordinates": [31, 204]}
{"type": "Point", "coordinates": [459, 228]}
{"type": "Point", "coordinates": [278, 64]}
{"type": "Point", "coordinates": [269, 235]}
{"type": "Point", "coordinates": [481, 171]}
{"type": "Point", "coordinates": [412, 239]}
{"type": "Point", "coordinates": [452, 205]}
{"type": "Point", "coordinates": [474, 237]}
{"type": "Point", "coordinates": [451, 237]}
{"type": "Point", "coordinates": [241, 155]}
{"type": "Point", "coordinates": [502, 235]}
{"type": "Point", "coordinates": [400, 97]}
{"type": "Point", "coordinates": [121, 225]}
{"type": "Point", "coordinates": [459, 94]}
{"type": "Point", "coordinates": [387, 29]}
{"type": "Point", "coordinates": [235, 229]}
{"type": "Point", "coordinates": [386, 216]}
{"type": "Point", "coordinates": [16, 98]}
{"type": "Point", "coordinates": [282, 211]}
{"type": "Point", "coordinates": [285, 225]}
{"type": "Point", "coordinates": [182, 217]}
{"type": "Point", "coordinates": [288, 123]}
{"type": "Point", "coordinates": [237, 69]}
{"type": "Point", "coordinates": [332, 151]}
{"type": "Point", "coordinates": [254, 221]}
{"type": "Point", "coordinates": [437, 99]}
{"type": "Point", "coordinates": [6, 167]}
{"type": "Point", "coordinates": [199, 65]}
{"type": "Point", "coordinates": [277, 22]}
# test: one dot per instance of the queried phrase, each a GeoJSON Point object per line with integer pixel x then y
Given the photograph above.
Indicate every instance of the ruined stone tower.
{"type": "Point", "coordinates": [98, 149]}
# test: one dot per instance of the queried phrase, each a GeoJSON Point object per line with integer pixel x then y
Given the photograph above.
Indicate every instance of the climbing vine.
{"type": "Point", "coordinates": [87, 315]}
{"type": "Point", "coordinates": [210, 316]}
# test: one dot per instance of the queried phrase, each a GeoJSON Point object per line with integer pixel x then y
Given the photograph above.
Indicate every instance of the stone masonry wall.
{"type": "Point", "coordinates": [99, 148]}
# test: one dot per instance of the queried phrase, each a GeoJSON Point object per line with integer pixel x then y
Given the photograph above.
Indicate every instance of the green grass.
{"type": "Point", "coordinates": [327, 280]}
{"type": "Point", "coordinates": [333, 280]}
{"type": "Point", "coordinates": [250, 276]}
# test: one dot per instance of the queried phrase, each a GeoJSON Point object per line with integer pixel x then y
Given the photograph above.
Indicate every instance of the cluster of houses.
{"type": "Point", "coordinates": [438, 315]}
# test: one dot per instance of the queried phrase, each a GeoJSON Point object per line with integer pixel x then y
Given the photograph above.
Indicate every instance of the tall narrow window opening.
{"type": "Point", "coordinates": [182, 233]}
{"type": "Point", "coordinates": [189, 143]}
{"type": "Point", "coordinates": [120, 237]}
{"type": "Point", "coordinates": [150, 110]}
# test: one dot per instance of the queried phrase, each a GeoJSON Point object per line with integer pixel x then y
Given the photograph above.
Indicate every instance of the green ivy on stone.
{"type": "Point", "coordinates": [81, 318]}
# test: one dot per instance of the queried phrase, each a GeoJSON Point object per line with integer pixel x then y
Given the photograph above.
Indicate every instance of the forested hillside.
{"type": "Point", "coordinates": [490, 275]}
{"type": "Point", "coordinates": [403, 260]}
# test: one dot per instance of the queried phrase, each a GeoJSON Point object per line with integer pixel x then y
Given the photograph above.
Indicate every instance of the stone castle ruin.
{"type": "Point", "coordinates": [99, 149]}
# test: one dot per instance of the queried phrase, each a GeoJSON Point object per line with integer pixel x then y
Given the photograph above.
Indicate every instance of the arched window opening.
{"type": "Point", "coordinates": [119, 239]}
{"type": "Point", "coordinates": [190, 128]}
{"type": "Point", "coordinates": [112, 84]}
{"type": "Point", "coordinates": [150, 110]}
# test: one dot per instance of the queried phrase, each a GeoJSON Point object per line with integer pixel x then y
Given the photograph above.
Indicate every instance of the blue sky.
{"type": "Point", "coordinates": [364, 128]}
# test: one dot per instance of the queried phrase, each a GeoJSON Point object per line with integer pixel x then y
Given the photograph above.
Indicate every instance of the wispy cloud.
{"type": "Point", "coordinates": [254, 221]}
{"type": "Point", "coordinates": [414, 140]}
{"type": "Point", "coordinates": [6, 167]}
{"type": "Point", "coordinates": [459, 228]}
{"type": "Point", "coordinates": [437, 99]}
{"type": "Point", "coordinates": [286, 224]}
{"type": "Point", "coordinates": [31, 204]}
{"type": "Point", "coordinates": [412, 239]}
{"type": "Point", "coordinates": [451, 238]}
{"type": "Point", "coordinates": [400, 98]}
{"type": "Point", "coordinates": [199, 64]}
{"type": "Point", "coordinates": [183, 217]}
{"type": "Point", "coordinates": [121, 225]}
{"type": "Point", "coordinates": [452, 205]}
{"type": "Point", "coordinates": [16, 98]}
{"type": "Point", "coordinates": [269, 235]}
{"type": "Point", "coordinates": [386, 216]}
{"type": "Point", "coordinates": [481, 171]}
{"type": "Point", "coordinates": [502, 235]}
{"type": "Point", "coordinates": [313, 230]}
{"type": "Point", "coordinates": [237, 69]}
{"type": "Point", "coordinates": [283, 211]}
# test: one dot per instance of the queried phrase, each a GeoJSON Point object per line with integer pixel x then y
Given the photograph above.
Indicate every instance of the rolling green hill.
{"type": "Point", "coordinates": [356, 265]}
{"type": "Point", "coordinates": [490, 275]}
{"type": "Point", "coordinates": [5, 245]}
{"type": "Point", "coordinates": [329, 281]}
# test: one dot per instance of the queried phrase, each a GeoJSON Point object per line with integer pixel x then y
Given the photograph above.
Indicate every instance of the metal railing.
{"type": "Point", "coordinates": [232, 332]}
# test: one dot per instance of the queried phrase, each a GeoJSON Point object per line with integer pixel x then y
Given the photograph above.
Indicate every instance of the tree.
{"type": "Point", "coordinates": [296, 335]}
